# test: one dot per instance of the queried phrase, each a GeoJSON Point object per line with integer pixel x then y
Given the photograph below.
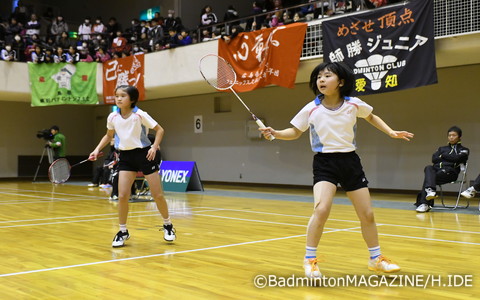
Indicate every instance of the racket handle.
{"type": "Point", "coordinates": [100, 154]}
{"type": "Point", "coordinates": [261, 125]}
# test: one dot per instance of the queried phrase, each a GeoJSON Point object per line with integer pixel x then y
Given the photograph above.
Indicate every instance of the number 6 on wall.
{"type": "Point", "coordinates": [197, 124]}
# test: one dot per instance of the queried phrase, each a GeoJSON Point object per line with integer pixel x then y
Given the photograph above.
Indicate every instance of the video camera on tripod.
{"type": "Point", "coordinates": [45, 134]}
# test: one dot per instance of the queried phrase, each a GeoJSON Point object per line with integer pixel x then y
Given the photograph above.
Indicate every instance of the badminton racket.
{"type": "Point", "coordinates": [220, 74]}
{"type": "Point", "coordinates": [59, 170]}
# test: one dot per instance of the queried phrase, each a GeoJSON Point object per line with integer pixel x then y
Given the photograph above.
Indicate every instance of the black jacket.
{"type": "Point", "coordinates": [450, 157]}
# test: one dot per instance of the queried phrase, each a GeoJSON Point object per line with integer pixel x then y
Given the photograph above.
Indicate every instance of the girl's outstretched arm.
{"type": "Point", "coordinates": [285, 134]}
{"type": "Point", "coordinates": [378, 123]}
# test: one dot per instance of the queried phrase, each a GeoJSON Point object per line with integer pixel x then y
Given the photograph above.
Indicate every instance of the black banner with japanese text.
{"type": "Point", "coordinates": [388, 49]}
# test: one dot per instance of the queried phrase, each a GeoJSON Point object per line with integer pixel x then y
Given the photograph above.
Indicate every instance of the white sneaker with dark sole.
{"type": "Point", "coordinates": [469, 193]}
{"type": "Point", "coordinates": [120, 238]}
{"type": "Point", "coordinates": [169, 233]}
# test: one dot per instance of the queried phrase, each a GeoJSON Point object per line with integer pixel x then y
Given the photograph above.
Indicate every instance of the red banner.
{"type": "Point", "coordinates": [123, 71]}
{"type": "Point", "coordinates": [267, 56]}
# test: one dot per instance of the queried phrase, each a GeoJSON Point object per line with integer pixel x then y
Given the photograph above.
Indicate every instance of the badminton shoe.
{"type": "Point", "coordinates": [169, 233]}
{"type": "Point", "coordinates": [469, 193]}
{"type": "Point", "coordinates": [423, 208]}
{"type": "Point", "coordinates": [311, 268]}
{"type": "Point", "coordinates": [382, 264]}
{"type": "Point", "coordinates": [431, 194]}
{"type": "Point", "coordinates": [120, 238]}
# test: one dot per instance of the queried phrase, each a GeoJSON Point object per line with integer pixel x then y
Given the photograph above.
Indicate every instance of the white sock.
{"type": "Point", "coordinates": [311, 252]}
{"type": "Point", "coordinates": [374, 252]}
{"type": "Point", "coordinates": [123, 227]}
{"type": "Point", "coordinates": [167, 221]}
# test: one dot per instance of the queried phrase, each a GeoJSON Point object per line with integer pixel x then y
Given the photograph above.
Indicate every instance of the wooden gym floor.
{"type": "Point", "coordinates": [56, 244]}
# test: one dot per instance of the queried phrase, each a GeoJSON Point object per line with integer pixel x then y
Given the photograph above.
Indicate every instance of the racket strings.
{"type": "Point", "coordinates": [217, 72]}
{"type": "Point", "coordinates": [59, 171]}
{"type": "Point", "coordinates": [226, 75]}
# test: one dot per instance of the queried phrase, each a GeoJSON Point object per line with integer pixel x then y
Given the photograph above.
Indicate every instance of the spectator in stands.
{"type": "Point", "coordinates": [58, 26]}
{"type": "Point", "coordinates": [134, 31]}
{"type": "Point", "coordinates": [3, 29]}
{"type": "Point", "coordinates": [172, 40]}
{"type": "Point", "coordinates": [158, 47]}
{"type": "Point", "coordinates": [13, 28]}
{"type": "Point", "coordinates": [84, 55]}
{"type": "Point", "coordinates": [35, 39]}
{"type": "Point", "coordinates": [85, 29]}
{"type": "Point", "coordinates": [231, 14]}
{"type": "Point", "coordinates": [60, 55]}
{"type": "Point", "coordinates": [378, 3]}
{"type": "Point", "coordinates": [102, 55]}
{"type": "Point", "coordinates": [73, 56]}
{"type": "Point", "coordinates": [136, 50]}
{"type": "Point", "coordinates": [48, 56]}
{"type": "Point", "coordinates": [206, 35]}
{"type": "Point", "coordinates": [98, 27]}
{"type": "Point", "coordinates": [97, 41]}
{"type": "Point", "coordinates": [171, 21]}
{"type": "Point", "coordinates": [234, 32]}
{"type": "Point", "coordinates": [257, 8]}
{"type": "Point", "coordinates": [19, 46]}
{"type": "Point", "coordinates": [298, 17]}
{"type": "Point", "coordinates": [21, 13]}
{"type": "Point", "coordinates": [29, 49]}
{"type": "Point", "coordinates": [38, 56]}
{"type": "Point", "coordinates": [274, 22]}
{"type": "Point", "coordinates": [208, 17]}
{"type": "Point", "coordinates": [156, 34]}
{"type": "Point", "coordinates": [184, 38]}
{"type": "Point", "coordinates": [65, 42]}
{"type": "Point", "coordinates": [32, 27]}
{"type": "Point", "coordinates": [144, 43]}
{"type": "Point", "coordinates": [278, 9]}
{"type": "Point", "coordinates": [49, 43]}
{"type": "Point", "coordinates": [111, 30]}
{"type": "Point", "coordinates": [144, 27]}
{"type": "Point", "coordinates": [287, 17]}
{"type": "Point", "coordinates": [8, 54]}
{"type": "Point", "coordinates": [119, 43]}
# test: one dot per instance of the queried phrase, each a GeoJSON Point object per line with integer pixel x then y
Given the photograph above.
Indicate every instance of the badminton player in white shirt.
{"type": "Point", "coordinates": [332, 118]}
{"type": "Point", "coordinates": [131, 124]}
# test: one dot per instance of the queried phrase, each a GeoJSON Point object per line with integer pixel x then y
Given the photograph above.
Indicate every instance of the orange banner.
{"type": "Point", "coordinates": [267, 56]}
{"type": "Point", "coordinates": [123, 71]}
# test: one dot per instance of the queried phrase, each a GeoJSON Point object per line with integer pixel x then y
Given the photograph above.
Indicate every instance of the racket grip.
{"type": "Point", "coordinates": [261, 125]}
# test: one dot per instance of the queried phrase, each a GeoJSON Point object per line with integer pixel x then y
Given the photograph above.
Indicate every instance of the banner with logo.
{"type": "Point", "coordinates": [63, 83]}
{"type": "Point", "coordinates": [123, 71]}
{"type": "Point", "coordinates": [388, 49]}
{"type": "Point", "coordinates": [180, 176]}
{"type": "Point", "coordinates": [263, 57]}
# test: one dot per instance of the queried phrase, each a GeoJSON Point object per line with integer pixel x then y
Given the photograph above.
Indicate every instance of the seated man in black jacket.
{"type": "Point", "coordinates": [446, 167]}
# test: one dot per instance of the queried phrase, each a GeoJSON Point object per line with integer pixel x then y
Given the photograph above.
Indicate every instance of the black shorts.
{"type": "Point", "coordinates": [136, 160]}
{"type": "Point", "coordinates": [339, 168]}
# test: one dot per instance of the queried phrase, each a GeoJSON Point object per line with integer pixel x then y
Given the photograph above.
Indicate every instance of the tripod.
{"type": "Point", "coordinates": [50, 159]}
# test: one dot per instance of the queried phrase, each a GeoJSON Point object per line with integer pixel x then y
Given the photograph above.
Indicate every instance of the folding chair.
{"type": "Point", "coordinates": [142, 189]}
{"type": "Point", "coordinates": [461, 180]}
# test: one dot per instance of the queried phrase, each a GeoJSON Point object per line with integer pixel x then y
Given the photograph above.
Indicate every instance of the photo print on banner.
{"type": "Point", "coordinates": [388, 49]}
{"type": "Point", "coordinates": [63, 83]}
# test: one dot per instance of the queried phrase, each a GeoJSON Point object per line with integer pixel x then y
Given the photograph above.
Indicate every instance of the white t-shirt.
{"type": "Point", "coordinates": [332, 130]}
{"type": "Point", "coordinates": [131, 132]}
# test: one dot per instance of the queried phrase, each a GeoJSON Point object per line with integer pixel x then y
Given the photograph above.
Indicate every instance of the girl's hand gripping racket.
{"type": "Point", "coordinates": [59, 170]}
{"type": "Point", "coordinates": [220, 74]}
